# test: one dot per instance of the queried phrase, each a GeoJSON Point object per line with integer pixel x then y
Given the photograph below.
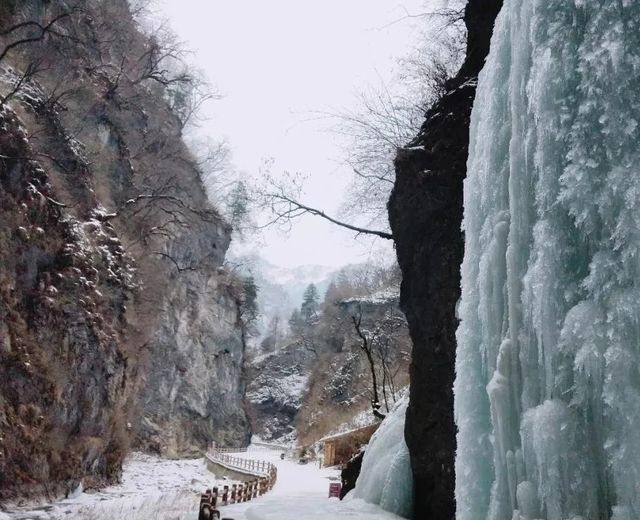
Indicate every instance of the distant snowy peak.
{"type": "Point", "coordinates": [301, 274]}
{"type": "Point", "coordinates": [279, 275]}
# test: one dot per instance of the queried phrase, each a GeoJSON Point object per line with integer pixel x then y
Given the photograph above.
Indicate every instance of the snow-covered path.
{"type": "Point", "coordinates": [301, 493]}
{"type": "Point", "coordinates": [161, 489]}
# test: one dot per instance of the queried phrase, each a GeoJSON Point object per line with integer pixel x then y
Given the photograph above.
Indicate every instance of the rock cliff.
{"type": "Point", "coordinates": [117, 319]}
{"type": "Point", "coordinates": [194, 388]}
{"type": "Point", "coordinates": [425, 212]}
{"type": "Point", "coordinates": [278, 385]}
{"type": "Point", "coordinates": [67, 377]}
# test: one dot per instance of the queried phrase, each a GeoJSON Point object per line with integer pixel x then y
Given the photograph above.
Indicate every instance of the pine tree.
{"type": "Point", "coordinates": [295, 322]}
{"type": "Point", "coordinates": [310, 299]}
{"type": "Point", "coordinates": [249, 299]}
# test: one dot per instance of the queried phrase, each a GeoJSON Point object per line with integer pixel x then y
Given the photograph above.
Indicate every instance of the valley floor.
{"type": "Point", "coordinates": [159, 489]}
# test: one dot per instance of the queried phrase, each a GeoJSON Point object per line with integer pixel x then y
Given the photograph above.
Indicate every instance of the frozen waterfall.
{"type": "Point", "coordinates": [547, 393]}
{"type": "Point", "coordinates": [385, 478]}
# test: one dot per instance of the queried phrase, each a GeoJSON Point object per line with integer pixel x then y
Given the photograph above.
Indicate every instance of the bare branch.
{"type": "Point", "coordinates": [285, 207]}
{"type": "Point", "coordinates": [43, 31]}
{"type": "Point", "coordinates": [367, 347]}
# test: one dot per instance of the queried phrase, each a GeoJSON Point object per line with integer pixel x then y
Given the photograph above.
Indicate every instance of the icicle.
{"type": "Point", "coordinates": [385, 477]}
{"type": "Point", "coordinates": [547, 393]}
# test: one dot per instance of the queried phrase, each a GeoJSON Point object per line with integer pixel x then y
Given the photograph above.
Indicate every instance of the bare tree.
{"type": "Point", "coordinates": [189, 95]}
{"type": "Point", "coordinates": [139, 8]}
{"type": "Point", "coordinates": [383, 121]}
{"type": "Point", "coordinates": [373, 132]}
{"type": "Point", "coordinates": [367, 343]}
{"type": "Point", "coordinates": [382, 335]}
{"type": "Point", "coordinates": [163, 59]}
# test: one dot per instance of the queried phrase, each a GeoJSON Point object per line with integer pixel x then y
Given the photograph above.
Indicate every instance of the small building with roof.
{"type": "Point", "coordinates": [341, 447]}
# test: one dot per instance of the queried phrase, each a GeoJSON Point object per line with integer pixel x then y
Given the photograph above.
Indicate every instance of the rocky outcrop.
{"type": "Point", "coordinates": [117, 319]}
{"type": "Point", "coordinates": [278, 385]}
{"type": "Point", "coordinates": [425, 212]}
{"type": "Point", "coordinates": [194, 389]}
{"type": "Point", "coordinates": [66, 369]}
{"type": "Point", "coordinates": [350, 473]}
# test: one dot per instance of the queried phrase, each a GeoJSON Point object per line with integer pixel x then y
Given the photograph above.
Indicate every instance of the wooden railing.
{"type": "Point", "coordinates": [261, 476]}
{"type": "Point", "coordinates": [258, 447]}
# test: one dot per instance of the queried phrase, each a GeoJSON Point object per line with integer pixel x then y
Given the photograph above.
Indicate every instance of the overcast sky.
{"type": "Point", "coordinates": [276, 62]}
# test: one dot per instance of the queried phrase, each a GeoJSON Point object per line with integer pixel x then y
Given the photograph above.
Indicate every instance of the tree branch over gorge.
{"type": "Point", "coordinates": [282, 198]}
{"type": "Point", "coordinates": [450, 15]}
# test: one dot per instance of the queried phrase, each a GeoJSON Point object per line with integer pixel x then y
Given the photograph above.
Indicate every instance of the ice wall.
{"type": "Point", "coordinates": [547, 392]}
{"type": "Point", "coordinates": [385, 477]}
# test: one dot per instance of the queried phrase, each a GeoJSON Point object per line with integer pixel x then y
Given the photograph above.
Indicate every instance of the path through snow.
{"type": "Point", "coordinates": [301, 493]}
{"type": "Point", "coordinates": [158, 489]}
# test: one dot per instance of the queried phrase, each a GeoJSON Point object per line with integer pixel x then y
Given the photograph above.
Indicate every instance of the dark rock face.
{"type": "Point", "coordinates": [425, 211]}
{"type": "Point", "coordinates": [350, 473]}
{"type": "Point", "coordinates": [66, 370]}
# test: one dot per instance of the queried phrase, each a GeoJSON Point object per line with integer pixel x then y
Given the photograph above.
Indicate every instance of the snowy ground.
{"type": "Point", "coordinates": [158, 489]}
{"type": "Point", "coordinates": [149, 485]}
{"type": "Point", "coordinates": [301, 493]}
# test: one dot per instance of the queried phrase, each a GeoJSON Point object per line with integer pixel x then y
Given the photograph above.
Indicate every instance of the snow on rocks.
{"type": "Point", "coordinates": [286, 390]}
{"type": "Point", "coordinates": [93, 242]}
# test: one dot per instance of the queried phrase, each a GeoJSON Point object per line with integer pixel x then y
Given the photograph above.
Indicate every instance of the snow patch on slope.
{"type": "Point", "coordinates": [288, 390]}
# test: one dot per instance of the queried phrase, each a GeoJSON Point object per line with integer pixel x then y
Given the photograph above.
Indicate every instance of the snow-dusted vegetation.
{"type": "Point", "coordinates": [341, 350]}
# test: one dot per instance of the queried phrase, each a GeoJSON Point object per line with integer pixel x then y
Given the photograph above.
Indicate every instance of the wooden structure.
{"type": "Point", "coordinates": [340, 448]}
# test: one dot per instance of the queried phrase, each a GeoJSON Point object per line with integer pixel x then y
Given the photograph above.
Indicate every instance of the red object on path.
{"type": "Point", "coordinates": [334, 489]}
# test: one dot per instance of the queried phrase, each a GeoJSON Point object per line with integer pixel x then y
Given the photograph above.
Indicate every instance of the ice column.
{"type": "Point", "coordinates": [547, 390]}
{"type": "Point", "coordinates": [385, 478]}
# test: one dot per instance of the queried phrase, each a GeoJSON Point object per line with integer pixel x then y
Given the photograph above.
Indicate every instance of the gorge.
{"type": "Point", "coordinates": [131, 317]}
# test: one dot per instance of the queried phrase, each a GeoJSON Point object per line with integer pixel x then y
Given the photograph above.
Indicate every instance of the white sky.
{"type": "Point", "coordinates": [275, 62]}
